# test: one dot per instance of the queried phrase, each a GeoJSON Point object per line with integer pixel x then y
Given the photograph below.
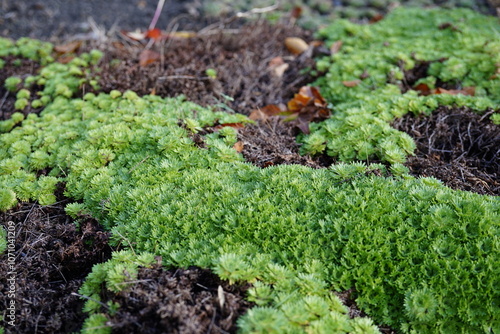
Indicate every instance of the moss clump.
{"type": "Point", "coordinates": [27, 48]}
{"type": "Point", "coordinates": [421, 257]}
{"type": "Point", "coordinates": [3, 240]}
{"type": "Point", "coordinates": [133, 165]}
{"type": "Point", "coordinates": [462, 48]}
{"type": "Point", "coordinates": [317, 13]}
{"type": "Point", "coordinates": [7, 199]}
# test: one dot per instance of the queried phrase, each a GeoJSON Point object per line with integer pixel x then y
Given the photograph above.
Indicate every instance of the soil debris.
{"type": "Point", "coordinates": [272, 142]}
{"type": "Point", "coordinates": [53, 257]}
{"type": "Point", "coordinates": [178, 301]}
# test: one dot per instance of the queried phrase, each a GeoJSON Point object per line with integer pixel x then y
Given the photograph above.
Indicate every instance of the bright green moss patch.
{"type": "Point", "coordinates": [3, 240]}
{"type": "Point", "coordinates": [55, 79]}
{"type": "Point", "coordinates": [462, 46]}
{"type": "Point", "coordinates": [420, 255]}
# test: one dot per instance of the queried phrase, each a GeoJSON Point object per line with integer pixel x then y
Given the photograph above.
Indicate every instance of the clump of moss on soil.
{"type": "Point", "coordinates": [372, 78]}
{"type": "Point", "coordinates": [315, 13]}
{"type": "Point", "coordinates": [163, 176]}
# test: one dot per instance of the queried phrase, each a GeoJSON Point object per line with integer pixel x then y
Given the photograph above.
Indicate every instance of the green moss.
{"type": "Point", "coordinates": [7, 199]}
{"type": "Point", "coordinates": [12, 83]}
{"type": "Point", "coordinates": [96, 324]}
{"type": "Point", "coordinates": [318, 13]}
{"type": "Point", "coordinates": [3, 240]}
{"type": "Point", "coordinates": [57, 79]}
{"type": "Point", "coordinates": [462, 47]}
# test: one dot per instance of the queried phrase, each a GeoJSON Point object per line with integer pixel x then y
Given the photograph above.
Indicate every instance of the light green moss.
{"type": "Point", "coordinates": [3, 240]}
{"type": "Point", "coordinates": [464, 49]}
{"type": "Point", "coordinates": [140, 174]}
{"type": "Point", "coordinates": [420, 256]}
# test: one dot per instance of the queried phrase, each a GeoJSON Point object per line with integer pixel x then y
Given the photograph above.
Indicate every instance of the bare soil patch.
{"type": "Point", "coordinates": [56, 19]}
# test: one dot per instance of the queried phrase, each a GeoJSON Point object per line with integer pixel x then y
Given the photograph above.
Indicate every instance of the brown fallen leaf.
{"type": "Point", "coordinates": [134, 35]}
{"type": "Point", "coordinates": [278, 71]}
{"type": "Point", "coordinates": [267, 111]}
{"type": "Point", "coordinates": [351, 83]}
{"type": "Point", "coordinates": [336, 47]}
{"type": "Point", "coordinates": [277, 66]}
{"type": "Point", "coordinates": [179, 34]}
{"type": "Point", "coordinates": [64, 59]}
{"type": "Point", "coordinates": [376, 18]}
{"type": "Point", "coordinates": [296, 45]}
{"type": "Point", "coordinates": [307, 96]}
{"type": "Point", "coordinates": [70, 47]}
{"type": "Point", "coordinates": [257, 114]}
{"type": "Point", "coordinates": [305, 107]}
{"type": "Point", "coordinates": [423, 89]}
{"type": "Point", "coordinates": [276, 61]}
{"type": "Point", "coordinates": [316, 44]}
{"type": "Point", "coordinates": [471, 91]}
{"type": "Point", "coordinates": [448, 25]}
{"type": "Point", "coordinates": [148, 57]}
{"type": "Point", "coordinates": [239, 146]}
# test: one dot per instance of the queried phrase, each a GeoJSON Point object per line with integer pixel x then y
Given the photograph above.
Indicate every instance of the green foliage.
{"type": "Point", "coordinates": [3, 240]}
{"type": "Point", "coordinates": [57, 79]}
{"type": "Point", "coordinates": [21, 103]}
{"type": "Point", "coordinates": [496, 118]}
{"type": "Point", "coordinates": [463, 49]}
{"type": "Point", "coordinates": [317, 13]}
{"type": "Point", "coordinates": [421, 305]}
{"type": "Point", "coordinates": [211, 73]}
{"type": "Point", "coordinates": [96, 324]}
{"type": "Point", "coordinates": [421, 256]}
{"type": "Point", "coordinates": [139, 173]}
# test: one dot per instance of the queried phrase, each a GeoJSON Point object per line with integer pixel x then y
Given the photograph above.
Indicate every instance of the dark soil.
{"type": "Point", "coordinates": [457, 146]}
{"type": "Point", "coordinates": [53, 257]}
{"type": "Point", "coordinates": [7, 99]}
{"type": "Point", "coordinates": [179, 301]}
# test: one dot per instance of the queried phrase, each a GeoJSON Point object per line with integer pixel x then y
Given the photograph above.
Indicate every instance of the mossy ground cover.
{"type": "Point", "coordinates": [163, 176]}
